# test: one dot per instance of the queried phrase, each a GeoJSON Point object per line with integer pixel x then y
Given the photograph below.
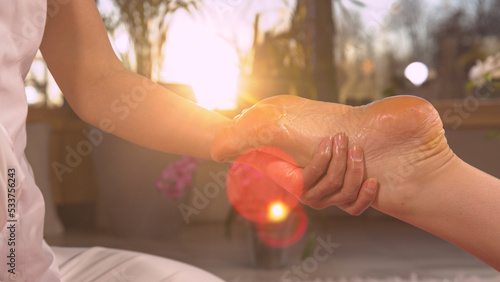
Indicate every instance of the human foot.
{"type": "Point", "coordinates": [402, 138]}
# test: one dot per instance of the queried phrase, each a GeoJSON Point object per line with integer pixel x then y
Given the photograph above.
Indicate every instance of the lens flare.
{"type": "Point", "coordinates": [256, 197]}
{"type": "Point", "coordinates": [277, 211]}
{"type": "Point", "coordinates": [286, 232]}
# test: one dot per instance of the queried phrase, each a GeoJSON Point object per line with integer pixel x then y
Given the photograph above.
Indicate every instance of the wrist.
{"type": "Point", "coordinates": [217, 129]}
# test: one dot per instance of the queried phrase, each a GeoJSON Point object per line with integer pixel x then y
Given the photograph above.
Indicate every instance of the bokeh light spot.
{"type": "Point", "coordinates": [277, 211]}
{"type": "Point", "coordinates": [417, 73]}
{"type": "Point", "coordinates": [286, 232]}
{"type": "Point", "coordinates": [254, 195]}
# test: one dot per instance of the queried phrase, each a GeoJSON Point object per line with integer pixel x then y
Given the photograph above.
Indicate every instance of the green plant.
{"type": "Point", "coordinates": [494, 134]}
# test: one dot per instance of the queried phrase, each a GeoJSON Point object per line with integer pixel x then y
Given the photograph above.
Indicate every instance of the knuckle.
{"type": "Point", "coordinates": [333, 181]}
{"type": "Point", "coordinates": [311, 201]}
{"type": "Point", "coordinates": [349, 197]}
{"type": "Point", "coordinates": [316, 169]}
{"type": "Point", "coordinates": [325, 156]}
{"type": "Point", "coordinates": [306, 199]}
{"type": "Point", "coordinates": [339, 157]}
{"type": "Point", "coordinates": [356, 170]}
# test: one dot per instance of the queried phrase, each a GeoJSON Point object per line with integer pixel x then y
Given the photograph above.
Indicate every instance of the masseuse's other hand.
{"type": "Point", "coordinates": [333, 177]}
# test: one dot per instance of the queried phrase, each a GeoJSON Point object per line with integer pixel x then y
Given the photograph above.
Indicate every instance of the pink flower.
{"type": "Point", "coordinates": [177, 177]}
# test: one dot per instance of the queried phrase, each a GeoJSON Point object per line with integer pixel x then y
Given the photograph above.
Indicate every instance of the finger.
{"type": "Point", "coordinates": [352, 181]}
{"type": "Point", "coordinates": [366, 197]}
{"type": "Point", "coordinates": [319, 164]}
{"type": "Point", "coordinates": [334, 177]}
{"type": "Point", "coordinates": [287, 175]}
{"type": "Point", "coordinates": [283, 170]}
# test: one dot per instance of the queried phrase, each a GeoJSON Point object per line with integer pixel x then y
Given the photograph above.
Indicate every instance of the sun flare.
{"type": "Point", "coordinates": [277, 211]}
{"type": "Point", "coordinates": [197, 56]}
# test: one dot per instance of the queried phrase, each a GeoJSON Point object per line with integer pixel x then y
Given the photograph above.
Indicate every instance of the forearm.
{"type": "Point", "coordinates": [140, 111]}
{"type": "Point", "coordinates": [107, 95]}
{"type": "Point", "coordinates": [461, 205]}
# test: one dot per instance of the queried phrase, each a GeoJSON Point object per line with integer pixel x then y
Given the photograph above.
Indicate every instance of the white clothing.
{"type": "Point", "coordinates": [21, 27]}
{"type": "Point", "coordinates": [24, 255]}
{"type": "Point", "coordinates": [110, 265]}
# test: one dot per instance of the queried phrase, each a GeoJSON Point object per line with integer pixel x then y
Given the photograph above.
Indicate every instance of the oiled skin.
{"type": "Point", "coordinates": [421, 181]}
{"type": "Point", "coordinates": [409, 126]}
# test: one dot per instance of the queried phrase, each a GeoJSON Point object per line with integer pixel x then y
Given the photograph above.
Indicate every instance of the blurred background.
{"type": "Point", "coordinates": [232, 53]}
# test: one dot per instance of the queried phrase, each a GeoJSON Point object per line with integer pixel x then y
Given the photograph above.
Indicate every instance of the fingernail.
{"type": "Point", "coordinates": [326, 146]}
{"type": "Point", "coordinates": [356, 154]}
{"type": "Point", "coordinates": [341, 141]}
{"type": "Point", "coordinates": [329, 145]}
{"type": "Point", "coordinates": [371, 186]}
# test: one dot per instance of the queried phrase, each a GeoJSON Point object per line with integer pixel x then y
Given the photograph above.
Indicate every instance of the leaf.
{"type": "Point", "coordinates": [309, 247]}
{"type": "Point", "coordinates": [489, 77]}
{"type": "Point", "coordinates": [492, 135]}
{"type": "Point", "coordinates": [470, 84]}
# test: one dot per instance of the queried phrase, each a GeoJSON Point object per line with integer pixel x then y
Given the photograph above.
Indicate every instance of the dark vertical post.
{"type": "Point", "coordinates": [320, 32]}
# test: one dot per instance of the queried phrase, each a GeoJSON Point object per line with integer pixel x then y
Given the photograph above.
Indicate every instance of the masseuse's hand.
{"type": "Point", "coordinates": [333, 177]}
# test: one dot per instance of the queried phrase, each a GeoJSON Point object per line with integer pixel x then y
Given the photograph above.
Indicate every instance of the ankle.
{"type": "Point", "coordinates": [402, 192]}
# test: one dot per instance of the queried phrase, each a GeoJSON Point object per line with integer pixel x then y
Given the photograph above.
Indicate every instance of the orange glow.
{"type": "Point", "coordinates": [279, 219]}
{"type": "Point", "coordinates": [277, 211]}
{"type": "Point", "coordinates": [257, 197]}
{"type": "Point", "coordinates": [197, 56]}
{"type": "Point", "coordinates": [284, 233]}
